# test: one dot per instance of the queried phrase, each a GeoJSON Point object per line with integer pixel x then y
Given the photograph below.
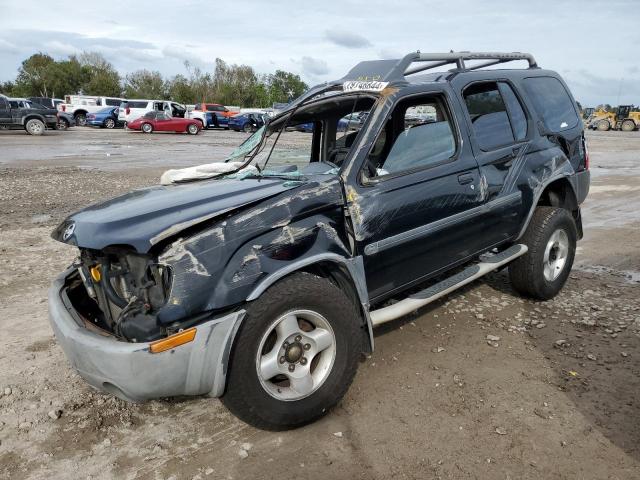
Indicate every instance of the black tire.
{"type": "Point", "coordinates": [527, 273]}
{"type": "Point", "coordinates": [628, 126]}
{"type": "Point", "coordinates": [603, 125]}
{"type": "Point", "coordinates": [62, 125]}
{"type": "Point", "coordinates": [81, 119]}
{"type": "Point", "coordinates": [192, 129]}
{"type": "Point", "coordinates": [146, 128]}
{"type": "Point", "coordinates": [246, 398]}
{"type": "Point", "coordinates": [35, 126]}
{"type": "Point", "coordinates": [247, 128]}
{"type": "Point", "coordinates": [110, 123]}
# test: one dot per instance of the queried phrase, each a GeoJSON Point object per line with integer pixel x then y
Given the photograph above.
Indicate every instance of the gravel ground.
{"type": "Point", "coordinates": [483, 384]}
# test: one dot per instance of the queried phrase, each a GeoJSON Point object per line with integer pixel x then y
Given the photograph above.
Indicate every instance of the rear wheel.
{"type": "Point", "coordinates": [193, 129]}
{"type": "Point", "coordinates": [295, 355]}
{"type": "Point", "coordinates": [62, 124]}
{"type": "Point", "coordinates": [603, 125]}
{"type": "Point", "coordinates": [247, 128]}
{"type": "Point", "coordinates": [147, 128]}
{"type": "Point", "coordinates": [543, 270]}
{"type": "Point", "coordinates": [34, 127]}
{"type": "Point", "coordinates": [628, 126]}
{"type": "Point", "coordinates": [81, 119]}
{"type": "Point", "coordinates": [110, 123]}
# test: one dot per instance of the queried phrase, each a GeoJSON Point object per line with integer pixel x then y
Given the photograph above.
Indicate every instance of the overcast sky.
{"type": "Point", "coordinates": [594, 44]}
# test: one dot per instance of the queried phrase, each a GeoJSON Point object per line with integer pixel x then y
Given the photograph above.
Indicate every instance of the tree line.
{"type": "Point", "coordinates": [91, 74]}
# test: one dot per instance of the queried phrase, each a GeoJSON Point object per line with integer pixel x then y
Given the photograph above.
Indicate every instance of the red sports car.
{"type": "Point", "coordinates": [161, 122]}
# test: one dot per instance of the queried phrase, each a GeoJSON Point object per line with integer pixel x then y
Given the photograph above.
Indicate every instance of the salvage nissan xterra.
{"type": "Point", "coordinates": [261, 283]}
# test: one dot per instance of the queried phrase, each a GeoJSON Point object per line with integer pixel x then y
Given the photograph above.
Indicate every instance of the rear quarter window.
{"type": "Point", "coordinates": [552, 103]}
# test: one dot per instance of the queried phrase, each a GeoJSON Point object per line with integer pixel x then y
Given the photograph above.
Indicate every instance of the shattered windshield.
{"type": "Point", "coordinates": [247, 146]}
{"type": "Point", "coordinates": [315, 138]}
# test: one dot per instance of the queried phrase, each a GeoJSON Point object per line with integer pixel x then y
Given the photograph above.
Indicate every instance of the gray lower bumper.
{"type": "Point", "coordinates": [130, 371]}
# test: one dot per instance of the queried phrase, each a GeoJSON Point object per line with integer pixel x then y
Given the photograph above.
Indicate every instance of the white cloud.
{"type": "Point", "coordinates": [314, 66]}
{"type": "Point", "coordinates": [348, 39]}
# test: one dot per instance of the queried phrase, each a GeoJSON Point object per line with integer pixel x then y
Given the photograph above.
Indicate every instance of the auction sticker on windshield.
{"type": "Point", "coordinates": [353, 86]}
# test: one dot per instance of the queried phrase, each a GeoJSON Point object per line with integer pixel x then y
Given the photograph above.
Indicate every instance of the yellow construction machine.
{"type": "Point", "coordinates": [622, 118]}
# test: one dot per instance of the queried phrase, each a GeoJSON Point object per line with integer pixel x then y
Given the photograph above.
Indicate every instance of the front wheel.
{"type": "Point", "coordinates": [603, 125]}
{"type": "Point", "coordinates": [295, 355]}
{"type": "Point", "coordinates": [147, 128]}
{"type": "Point", "coordinates": [543, 270]}
{"type": "Point", "coordinates": [193, 129]}
{"type": "Point", "coordinates": [62, 125]}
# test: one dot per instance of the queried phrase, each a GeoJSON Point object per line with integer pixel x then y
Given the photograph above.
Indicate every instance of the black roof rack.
{"type": "Point", "coordinates": [396, 70]}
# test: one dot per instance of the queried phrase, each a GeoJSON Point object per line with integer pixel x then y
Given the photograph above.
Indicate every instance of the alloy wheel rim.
{"type": "Point", "coordinates": [296, 355]}
{"type": "Point", "coordinates": [555, 255]}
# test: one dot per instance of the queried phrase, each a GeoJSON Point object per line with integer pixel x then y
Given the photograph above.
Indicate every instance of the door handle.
{"type": "Point", "coordinates": [465, 178]}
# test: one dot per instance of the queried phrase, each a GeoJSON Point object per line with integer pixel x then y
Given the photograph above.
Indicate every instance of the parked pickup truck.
{"type": "Point", "coordinates": [81, 105]}
{"type": "Point", "coordinates": [18, 114]}
{"type": "Point", "coordinates": [260, 280]}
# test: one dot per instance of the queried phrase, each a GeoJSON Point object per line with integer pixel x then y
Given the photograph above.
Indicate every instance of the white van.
{"type": "Point", "coordinates": [80, 105]}
{"type": "Point", "coordinates": [130, 110]}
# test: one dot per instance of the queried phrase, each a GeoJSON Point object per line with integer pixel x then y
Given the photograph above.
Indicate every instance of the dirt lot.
{"type": "Point", "coordinates": [555, 397]}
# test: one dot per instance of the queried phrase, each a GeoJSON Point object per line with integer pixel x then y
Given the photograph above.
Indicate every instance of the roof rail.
{"type": "Point", "coordinates": [459, 58]}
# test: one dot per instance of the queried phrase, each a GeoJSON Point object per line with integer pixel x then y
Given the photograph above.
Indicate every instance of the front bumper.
{"type": "Point", "coordinates": [129, 370]}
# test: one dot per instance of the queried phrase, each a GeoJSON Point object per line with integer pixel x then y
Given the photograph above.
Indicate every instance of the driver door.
{"type": "Point", "coordinates": [163, 122]}
{"type": "Point", "coordinates": [414, 203]}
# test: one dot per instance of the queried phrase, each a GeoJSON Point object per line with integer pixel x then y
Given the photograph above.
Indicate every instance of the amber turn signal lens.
{"type": "Point", "coordinates": [173, 341]}
{"type": "Point", "coordinates": [95, 273]}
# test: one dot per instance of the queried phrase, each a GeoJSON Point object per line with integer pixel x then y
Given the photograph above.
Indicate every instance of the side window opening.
{"type": "Point", "coordinates": [515, 111]}
{"type": "Point", "coordinates": [419, 134]}
{"type": "Point", "coordinates": [489, 116]}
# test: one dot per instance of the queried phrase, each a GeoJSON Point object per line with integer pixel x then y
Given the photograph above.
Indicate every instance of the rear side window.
{"type": "Point", "coordinates": [112, 102]}
{"type": "Point", "coordinates": [489, 115]}
{"type": "Point", "coordinates": [3, 103]}
{"type": "Point", "coordinates": [552, 102]}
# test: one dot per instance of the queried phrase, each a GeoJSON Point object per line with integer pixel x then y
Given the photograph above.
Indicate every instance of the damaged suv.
{"type": "Point", "coordinates": [261, 283]}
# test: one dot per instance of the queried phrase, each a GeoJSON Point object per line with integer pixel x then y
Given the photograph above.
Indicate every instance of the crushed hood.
{"type": "Point", "coordinates": [144, 217]}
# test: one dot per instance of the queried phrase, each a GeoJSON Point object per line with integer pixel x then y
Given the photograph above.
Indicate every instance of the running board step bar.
{"type": "Point", "coordinates": [488, 263]}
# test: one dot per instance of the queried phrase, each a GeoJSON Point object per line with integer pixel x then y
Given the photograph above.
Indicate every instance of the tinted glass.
{"type": "Point", "coordinates": [488, 115]}
{"type": "Point", "coordinates": [150, 115]}
{"type": "Point", "coordinates": [134, 104]}
{"type": "Point", "coordinates": [552, 102]}
{"type": "Point", "coordinates": [112, 102]}
{"type": "Point", "coordinates": [426, 139]}
{"type": "Point", "coordinates": [518, 117]}
{"type": "Point", "coordinates": [3, 103]}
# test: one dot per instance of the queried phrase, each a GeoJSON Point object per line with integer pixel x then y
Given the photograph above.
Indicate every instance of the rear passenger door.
{"type": "Point", "coordinates": [499, 128]}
